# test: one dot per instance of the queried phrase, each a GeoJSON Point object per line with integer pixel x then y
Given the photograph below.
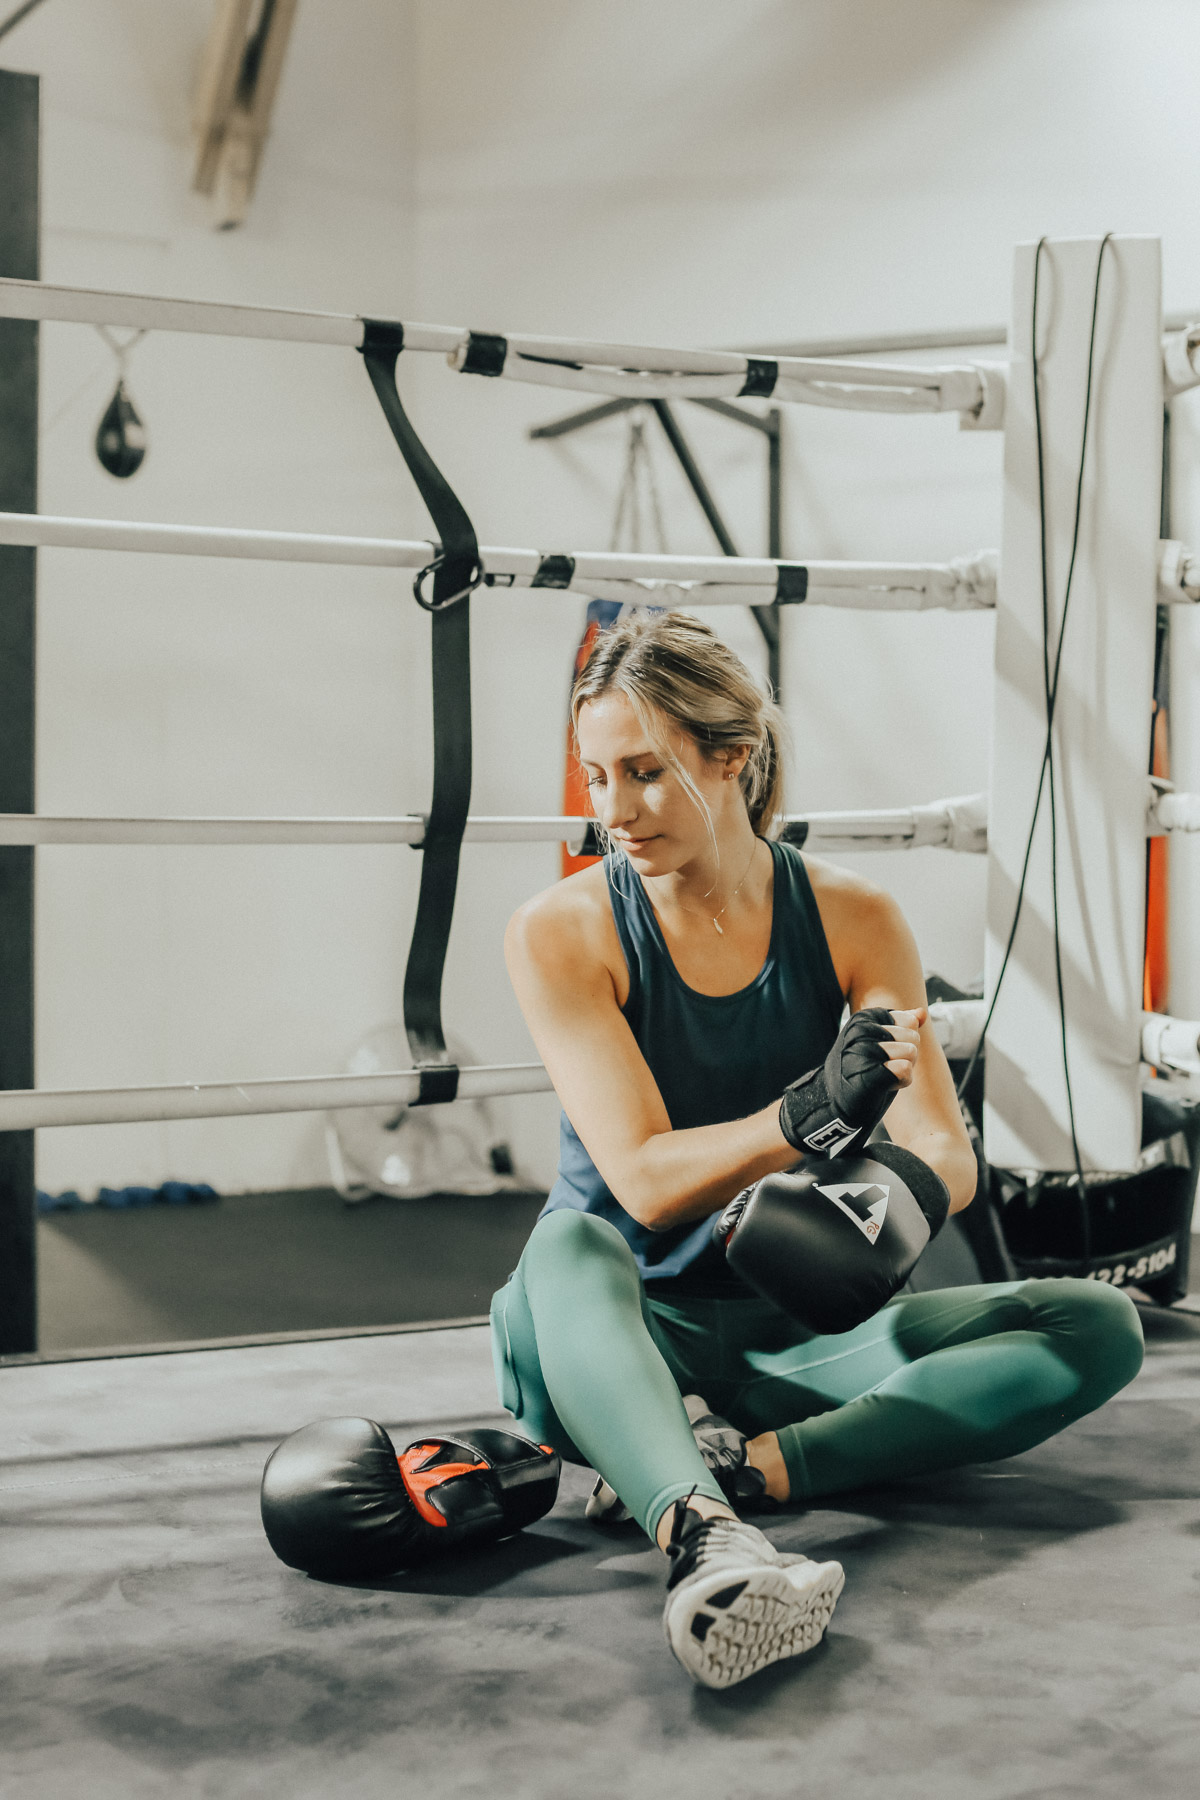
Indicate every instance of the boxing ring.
{"type": "Point", "coordinates": [149, 1635]}
{"type": "Point", "coordinates": [1109, 1029]}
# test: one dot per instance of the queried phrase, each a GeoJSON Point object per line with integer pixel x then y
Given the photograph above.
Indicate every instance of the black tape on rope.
{"type": "Point", "coordinates": [554, 572]}
{"type": "Point", "coordinates": [791, 584]}
{"type": "Point", "coordinates": [486, 353]}
{"type": "Point", "coordinates": [456, 571]}
{"type": "Point", "coordinates": [761, 375]}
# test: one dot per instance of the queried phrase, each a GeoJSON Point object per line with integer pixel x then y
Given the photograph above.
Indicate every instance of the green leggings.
{"type": "Point", "coordinates": [588, 1362]}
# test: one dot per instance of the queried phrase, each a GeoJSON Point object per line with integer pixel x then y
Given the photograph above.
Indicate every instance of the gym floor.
{"type": "Point", "coordinates": [298, 1260]}
{"type": "Point", "coordinates": [1022, 1629]}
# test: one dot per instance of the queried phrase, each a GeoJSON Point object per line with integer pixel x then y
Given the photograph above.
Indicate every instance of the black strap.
{"type": "Point", "coordinates": [795, 832]}
{"type": "Point", "coordinates": [486, 353]}
{"type": "Point", "coordinates": [456, 571]}
{"type": "Point", "coordinates": [761, 375]}
{"type": "Point", "coordinates": [791, 584]}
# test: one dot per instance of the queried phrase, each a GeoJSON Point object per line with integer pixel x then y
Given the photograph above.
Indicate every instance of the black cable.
{"type": "Point", "coordinates": [1050, 681]}
{"type": "Point", "coordinates": [15, 18]}
{"type": "Point", "coordinates": [1050, 688]}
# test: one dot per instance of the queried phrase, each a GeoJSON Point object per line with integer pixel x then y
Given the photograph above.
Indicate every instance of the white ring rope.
{"type": "Point", "coordinates": [629, 370]}
{"type": "Point", "coordinates": [1169, 1044]}
{"type": "Point", "coordinates": [967, 583]}
{"type": "Point", "coordinates": [958, 824]}
{"type": "Point", "coordinates": [964, 584]}
{"type": "Point", "coordinates": [28, 1109]}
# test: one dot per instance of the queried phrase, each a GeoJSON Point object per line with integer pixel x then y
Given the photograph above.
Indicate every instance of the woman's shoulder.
{"type": "Point", "coordinates": [854, 912]}
{"type": "Point", "coordinates": [570, 922]}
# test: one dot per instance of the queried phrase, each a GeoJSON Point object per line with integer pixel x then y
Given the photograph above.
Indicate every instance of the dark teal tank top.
{"type": "Point", "coordinates": [714, 1057]}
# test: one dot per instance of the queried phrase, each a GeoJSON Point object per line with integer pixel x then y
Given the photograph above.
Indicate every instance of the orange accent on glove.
{"type": "Point", "coordinates": [419, 1477]}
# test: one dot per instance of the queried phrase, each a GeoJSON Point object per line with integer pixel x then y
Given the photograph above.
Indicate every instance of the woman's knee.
{"type": "Point", "coordinates": [1097, 1326]}
{"type": "Point", "coordinates": [568, 1245]}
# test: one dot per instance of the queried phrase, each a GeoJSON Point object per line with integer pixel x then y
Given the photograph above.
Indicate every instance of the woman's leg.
{"type": "Point", "coordinates": [581, 1365]}
{"type": "Point", "coordinates": [940, 1379]}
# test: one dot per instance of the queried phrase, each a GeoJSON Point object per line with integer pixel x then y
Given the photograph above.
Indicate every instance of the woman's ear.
{"type": "Point", "coordinates": [734, 761]}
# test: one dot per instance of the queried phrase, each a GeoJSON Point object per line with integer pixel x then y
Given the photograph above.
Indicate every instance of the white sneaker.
{"type": "Point", "coordinates": [734, 1605]}
{"type": "Point", "coordinates": [605, 1506]}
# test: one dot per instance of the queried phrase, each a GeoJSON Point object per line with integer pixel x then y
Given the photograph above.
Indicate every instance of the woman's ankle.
{"type": "Point", "coordinates": [763, 1453]}
{"type": "Point", "coordinates": [704, 1504]}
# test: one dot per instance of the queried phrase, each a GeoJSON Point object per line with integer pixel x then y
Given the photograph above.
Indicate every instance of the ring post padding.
{"type": "Point", "coordinates": [1102, 716]}
{"type": "Point", "coordinates": [455, 572]}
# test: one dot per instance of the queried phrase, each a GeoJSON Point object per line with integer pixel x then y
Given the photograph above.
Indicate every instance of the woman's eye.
{"type": "Point", "coordinates": [595, 781]}
{"type": "Point", "coordinates": [646, 775]}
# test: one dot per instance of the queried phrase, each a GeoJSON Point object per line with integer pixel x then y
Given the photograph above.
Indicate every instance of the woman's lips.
{"type": "Point", "coordinates": [633, 843]}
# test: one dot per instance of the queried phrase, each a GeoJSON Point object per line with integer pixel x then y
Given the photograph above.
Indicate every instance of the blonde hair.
{"type": "Point", "coordinates": [672, 667]}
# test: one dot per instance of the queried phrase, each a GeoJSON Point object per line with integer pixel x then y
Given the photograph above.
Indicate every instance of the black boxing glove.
{"type": "Point", "coordinates": [337, 1500]}
{"type": "Point", "coordinates": [832, 1242]}
{"type": "Point", "coordinates": [833, 1110]}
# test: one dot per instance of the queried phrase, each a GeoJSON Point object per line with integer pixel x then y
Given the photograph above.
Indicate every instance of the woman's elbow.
{"type": "Point", "coordinates": [961, 1176]}
{"type": "Point", "coordinates": [644, 1209]}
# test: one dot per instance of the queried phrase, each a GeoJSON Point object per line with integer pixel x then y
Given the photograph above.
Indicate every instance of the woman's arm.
{"type": "Point", "coordinates": [876, 954]}
{"type": "Point", "coordinates": [557, 961]}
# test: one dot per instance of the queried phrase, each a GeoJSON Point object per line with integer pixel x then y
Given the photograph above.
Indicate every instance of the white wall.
{"type": "Point", "coordinates": [173, 685]}
{"type": "Point", "coordinates": [688, 172]}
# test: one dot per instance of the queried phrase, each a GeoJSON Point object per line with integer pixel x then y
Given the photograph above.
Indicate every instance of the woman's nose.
{"type": "Point", "coordinates": [619, 804]}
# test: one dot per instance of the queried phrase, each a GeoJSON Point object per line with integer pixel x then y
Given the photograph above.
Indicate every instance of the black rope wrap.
{"type": "Point", "coordinates": [455, 571]}
{"type": "Point", "coordinates": [554, 572]}
{"type": "Point", "coordinates": [761, 375]}
{"type": "Point", "coordinates": [486, 353]}
{"type": "Point", "coordinates": [791, 584]}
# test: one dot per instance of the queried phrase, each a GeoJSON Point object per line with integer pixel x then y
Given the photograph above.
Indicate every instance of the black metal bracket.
{"type": "Point", "coordinates": [455, 571]}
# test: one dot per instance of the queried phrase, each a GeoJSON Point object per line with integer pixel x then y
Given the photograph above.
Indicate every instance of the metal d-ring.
{"type": "Point", "coordinates": [432, 606]}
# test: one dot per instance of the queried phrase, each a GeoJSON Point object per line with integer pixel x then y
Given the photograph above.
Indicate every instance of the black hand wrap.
{"type": "Point", "coordinates": [833, 1110]}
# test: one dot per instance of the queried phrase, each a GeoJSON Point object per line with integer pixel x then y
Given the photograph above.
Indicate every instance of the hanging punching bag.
{"type": "Point", "coordinates": [121, 436]}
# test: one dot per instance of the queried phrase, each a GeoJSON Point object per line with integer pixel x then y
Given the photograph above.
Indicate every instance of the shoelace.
{"type": "Point", "coordinates": [688, 1543]}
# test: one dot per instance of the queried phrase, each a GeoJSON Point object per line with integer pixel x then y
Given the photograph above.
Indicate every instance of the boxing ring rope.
{"type": "Point", "coordinates": [964, 584]}
{"type": "Point", "coordinates": [1169, 1044]}
{"type": "Point", "coordinates": [625, 370]}
{"type": "Point", "coordinates": [956, 824]}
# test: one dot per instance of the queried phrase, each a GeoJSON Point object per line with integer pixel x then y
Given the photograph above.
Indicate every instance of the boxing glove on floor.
{"type": "Point", "coordinates": [338, 1501]}
{"type": "Point", "coordinates": [831, 1243]}
{"type": "Point", "coordinates": [833, 1110]}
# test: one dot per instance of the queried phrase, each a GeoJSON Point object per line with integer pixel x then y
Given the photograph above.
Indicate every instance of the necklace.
{"type": "Point", "coordinates": [717, 917]}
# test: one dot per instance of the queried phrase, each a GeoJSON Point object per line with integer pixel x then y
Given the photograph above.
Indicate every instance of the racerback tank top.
{"type": "Point", "coordinates": [714, 1057]}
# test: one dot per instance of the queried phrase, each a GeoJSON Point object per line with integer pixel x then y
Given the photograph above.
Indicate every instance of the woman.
{"type": "Point", "coordinates": [674, 992]}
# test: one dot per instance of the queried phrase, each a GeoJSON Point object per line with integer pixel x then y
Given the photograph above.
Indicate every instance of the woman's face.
{"type": "Point", "coordinates": [638, 798]}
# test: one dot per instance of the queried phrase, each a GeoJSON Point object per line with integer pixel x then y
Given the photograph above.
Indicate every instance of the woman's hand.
{"type": "Point", "coordinates": [905, 1042]}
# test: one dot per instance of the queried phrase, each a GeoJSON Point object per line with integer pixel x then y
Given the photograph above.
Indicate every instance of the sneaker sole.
{"type": "Point", "coordinates": [731, 1624]}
